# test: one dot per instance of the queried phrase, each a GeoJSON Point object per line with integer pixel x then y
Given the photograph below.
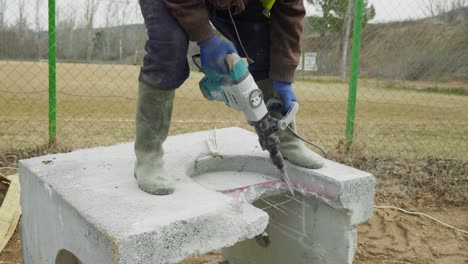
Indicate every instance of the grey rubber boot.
{"type": "Point", "coordinates": [292, 148]}
{"type": "Point", "coordinates": [153, 119]}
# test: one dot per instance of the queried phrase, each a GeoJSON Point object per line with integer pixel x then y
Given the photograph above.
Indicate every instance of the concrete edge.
{"type": "Point", "coordinates": [181, 242]}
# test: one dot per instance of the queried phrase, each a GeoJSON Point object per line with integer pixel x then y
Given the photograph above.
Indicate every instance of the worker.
{"type": "Point", "coordinates": [268, 32]}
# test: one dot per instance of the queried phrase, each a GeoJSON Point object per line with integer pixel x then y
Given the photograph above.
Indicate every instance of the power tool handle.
{"type": "Point", "coordinates": [289, 117]}
{"type": "Point", "coordinates": [232, 59]}
{"type": "Point", "coordinates": [276, 105]}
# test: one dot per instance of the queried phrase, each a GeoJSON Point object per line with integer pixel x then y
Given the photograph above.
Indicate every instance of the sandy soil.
{"type": "Point", "coordinates": [394, 237]}
{"type": "Point", "coordinates": [12, 252]}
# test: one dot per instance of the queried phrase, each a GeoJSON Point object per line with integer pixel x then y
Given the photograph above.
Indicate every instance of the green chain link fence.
{"type": "Point", "coordinates": [412, 89]}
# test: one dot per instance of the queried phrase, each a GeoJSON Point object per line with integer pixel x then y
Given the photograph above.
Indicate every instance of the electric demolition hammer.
{"type": "Point", "coordinates": [240, 92]}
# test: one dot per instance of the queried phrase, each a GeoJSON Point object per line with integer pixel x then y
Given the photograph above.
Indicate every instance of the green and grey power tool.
{"type": "Point", "coordinates": [239, 91]}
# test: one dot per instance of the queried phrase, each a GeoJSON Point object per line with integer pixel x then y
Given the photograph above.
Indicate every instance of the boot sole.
{"type": "Point", "coordinates": [162, 191]}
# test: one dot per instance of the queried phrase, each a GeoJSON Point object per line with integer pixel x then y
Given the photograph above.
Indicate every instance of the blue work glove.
{"type": "Point", "coordinates": [284, 90]}
{"type": "Point", "coordinates": [213, 54]}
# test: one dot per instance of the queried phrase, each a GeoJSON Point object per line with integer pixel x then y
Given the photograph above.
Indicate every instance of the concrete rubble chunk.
{"type": "Point", "coordinates": [85, 206]}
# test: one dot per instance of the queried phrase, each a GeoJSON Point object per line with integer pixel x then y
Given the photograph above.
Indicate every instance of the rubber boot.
{"type": "Point", "coordinates": [153, 119]}
{"type": "Point", "coordinates": [292, 148]}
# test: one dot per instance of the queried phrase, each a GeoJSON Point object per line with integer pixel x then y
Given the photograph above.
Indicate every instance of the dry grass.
{"type": "Point", "coordinates": [412, 183]}
{"type": "Point", "coordinates": [96, 107]}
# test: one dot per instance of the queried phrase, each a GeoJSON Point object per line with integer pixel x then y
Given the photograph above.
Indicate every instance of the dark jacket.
{"type": "Point", "coordinates": [286, 25]}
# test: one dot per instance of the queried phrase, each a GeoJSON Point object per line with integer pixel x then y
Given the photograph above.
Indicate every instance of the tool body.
{"type": "Point", "coordinates": [240, 92]}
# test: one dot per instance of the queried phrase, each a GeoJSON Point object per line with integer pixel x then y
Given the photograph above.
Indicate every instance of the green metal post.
{"type": "Point", "coordinates": [354, 75]}
{"type": "Point", "coordinates": [52, 75]}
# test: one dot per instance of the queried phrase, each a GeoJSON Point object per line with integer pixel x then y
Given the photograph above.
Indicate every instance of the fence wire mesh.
{"type": "Point", "coordinates": [412, 94]}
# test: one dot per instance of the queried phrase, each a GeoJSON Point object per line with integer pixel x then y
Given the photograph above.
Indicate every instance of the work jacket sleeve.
{"type": "Point", "coordinates": [193, 17]}
{"type": "Point", "coordinates": [287, 24]}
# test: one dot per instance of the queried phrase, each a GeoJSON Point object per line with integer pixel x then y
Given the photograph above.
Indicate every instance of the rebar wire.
{"type": "Point", "coordinates": [297, 200]}
{"type": "Point", "coordinates": [277, 205]}
{"type": "Point", "coordinates": [273, 206]}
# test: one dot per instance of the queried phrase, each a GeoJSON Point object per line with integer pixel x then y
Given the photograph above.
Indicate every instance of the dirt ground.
{"type": "Point", "coordinates": [392, 237]}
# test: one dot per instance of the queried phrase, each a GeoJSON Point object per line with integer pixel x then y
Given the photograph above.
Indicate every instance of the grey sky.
{"type": "Point", "coordinates": [386, 10]}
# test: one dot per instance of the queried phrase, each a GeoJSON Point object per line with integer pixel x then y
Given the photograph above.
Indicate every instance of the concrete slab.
{"type": "Point", "coordinates": [87, 202]}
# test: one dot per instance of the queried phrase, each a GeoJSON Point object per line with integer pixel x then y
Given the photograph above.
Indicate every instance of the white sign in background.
{"type": "Point", "coordinates": [310, 59]}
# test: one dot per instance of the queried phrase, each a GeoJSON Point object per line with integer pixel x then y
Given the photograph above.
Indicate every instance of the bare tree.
{"type": "Point", "coordinates": [66, 31]}
{"type": "Point", "coordinates": [38, 29]}
{"type": "Point", "coordinates": [111, 14]}
{"type": "Point", "coordinates": [3, 7]}
{"type": "Point", "coordinates": [429, 7]}
{"type": "Point", "coordinates": [21, 24]}
{"type": "Point", "coordinates": [121, 21]}
{"type": "Point", "coordinates": [90, 12]}
{"type": "Point", "coordinates": [442, 6]}
{"type": "Point", "coordinates": [140, 38]}
{"type": "Point", "coordinates": [436, 7]}
{"type": "Point", "coordinates": [458, 4]}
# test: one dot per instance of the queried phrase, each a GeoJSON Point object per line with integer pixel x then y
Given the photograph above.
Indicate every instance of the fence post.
{"type": "Point", "coordinates": [52, 75]}
{"type": "Point", "coordinates": [357, 30]}
{"type": "Point", "coordinates": [317, 61]}
{"type": "Point", "coordinates": [347, 32]}
{"type": "Point", "coordinates": [303, 65]}
{"type": "Point", "coordinates": [378, 67]}
{"type": "Point", "coordinates": [436, 79]}
{"type": "Point", "coordinates": [405, 64]}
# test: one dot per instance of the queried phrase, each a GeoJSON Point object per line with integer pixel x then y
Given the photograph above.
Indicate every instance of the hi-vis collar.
{"type": "Point", "coordinates": [267, 6]}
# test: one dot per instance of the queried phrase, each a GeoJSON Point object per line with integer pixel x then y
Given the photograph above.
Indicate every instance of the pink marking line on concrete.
{"type": "Point", "coordinates": [319, 190]}
{"type": "Point", "coordinates": [303, 186]}
{"type": "Point", "coordinates": [235, 193]}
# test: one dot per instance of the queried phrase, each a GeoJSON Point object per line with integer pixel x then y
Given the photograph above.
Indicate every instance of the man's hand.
{"type": "Point", "coordinates": [284, 90]}
{"type": "Point", "coordinates": [213, 53]}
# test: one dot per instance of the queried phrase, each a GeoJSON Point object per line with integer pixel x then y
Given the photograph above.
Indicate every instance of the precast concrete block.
{"type": "Point", "coordinates": [85, 206]}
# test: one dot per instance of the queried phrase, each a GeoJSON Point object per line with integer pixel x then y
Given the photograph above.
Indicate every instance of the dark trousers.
{"type": "Point", "coordinates": [165, 64]}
